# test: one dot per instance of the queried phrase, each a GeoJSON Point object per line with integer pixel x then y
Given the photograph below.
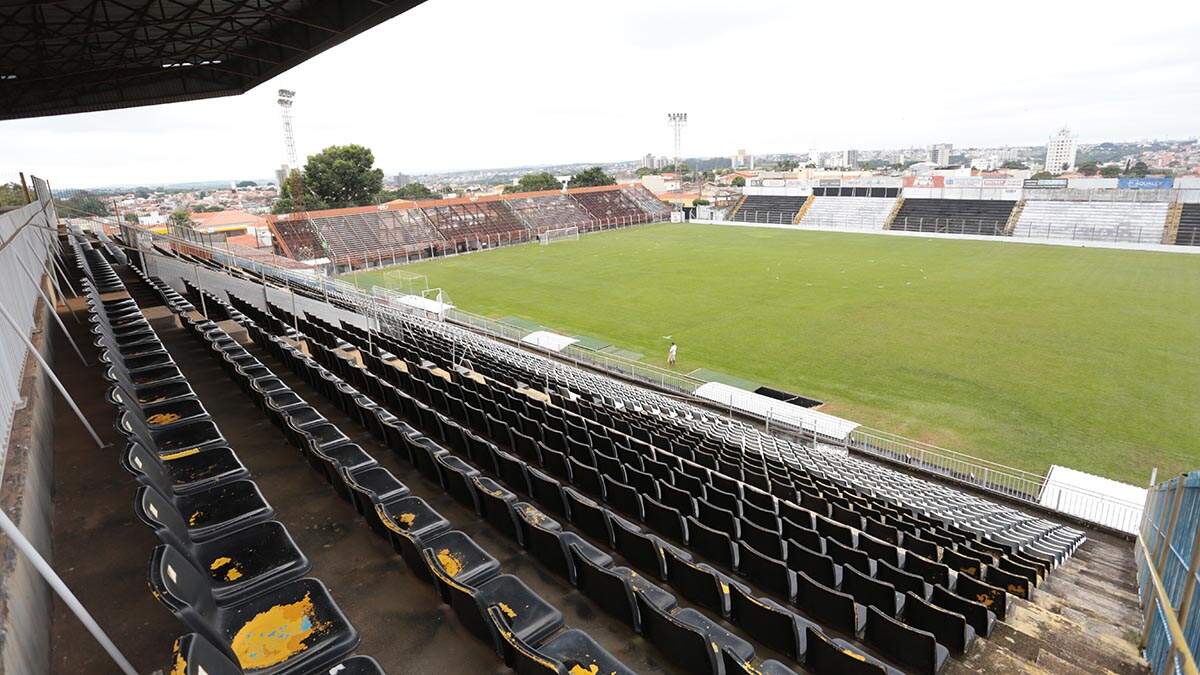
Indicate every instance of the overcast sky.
{"type": "Point", "coordinates": [460, 84]}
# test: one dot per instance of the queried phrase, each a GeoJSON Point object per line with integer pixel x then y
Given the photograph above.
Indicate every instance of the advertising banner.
{"type": "Point", "coordinates": [1045, 184]}
{"type": "Point", "coordinates": [1145, 183]}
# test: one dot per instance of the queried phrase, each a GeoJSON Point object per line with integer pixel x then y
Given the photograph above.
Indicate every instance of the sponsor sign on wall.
{"type": "Point", "coordinates": [1045, 184]}
{"type": "Point", "coordinates": [1145, 183]}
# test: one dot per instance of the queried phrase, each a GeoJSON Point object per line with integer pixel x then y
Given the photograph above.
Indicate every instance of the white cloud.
{"type": "Point", "coordinates": [471, 83]}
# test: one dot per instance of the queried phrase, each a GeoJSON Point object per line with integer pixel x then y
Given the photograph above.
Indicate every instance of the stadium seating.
{"type": "Point", "coordinates": [812, 535]}
{"type": "Point", "coordinates": [609, 205]}
{"type": "Point", "coordinates": [547, 211]}
{"type": "Point", "coordinates": [1130, 222]}
{"type": "Point", "coordinates": [769, 209]}
{"type": "Point", "coordinates": [1188, 233]}
{"type": "Point", "coordinates": [296, 239]}
{"type": "Point", "coordinates": [862, 212]}
{"type": "Point", "coordinates": [954, 216]}
{"type": "Point", "coordinates": [375, 236]}
{"type": "Point", "coordinates": [463, 222]}
{"type": "Point", "coordinates": [653, 207]}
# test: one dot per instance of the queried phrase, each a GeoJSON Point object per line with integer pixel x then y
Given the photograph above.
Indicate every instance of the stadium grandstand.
{"type": "Point", "coordinates": [1155, 218]}
{"type": "Point", "coordinates": [218, 462]}
{"type": "Point", "coordinates": [374, 236]}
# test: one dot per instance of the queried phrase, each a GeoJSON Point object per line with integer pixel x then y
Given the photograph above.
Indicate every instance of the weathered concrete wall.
{"type": "Point", "coordinates": [25, 494]}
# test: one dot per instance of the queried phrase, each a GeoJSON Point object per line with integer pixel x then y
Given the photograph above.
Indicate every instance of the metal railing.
{"type": "Point", "coordinates": [991, 476]}
{"type": "Point", "coordinates": [1101, 195]}
{"type": "Point", "coordinates": [27, 237]}
{"type": "Point", "coordinates": [1168, 562]}
{"type": "Point", "coordinates": [1078, 231]}
{"type": "Point", "coordinates": [1006, 480]}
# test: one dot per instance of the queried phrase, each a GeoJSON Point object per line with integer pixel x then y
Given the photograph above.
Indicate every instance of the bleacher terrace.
{"type": "Point", "coordinates": [954, 216]}
{"type": "Point", "coordinates": [768, 209]}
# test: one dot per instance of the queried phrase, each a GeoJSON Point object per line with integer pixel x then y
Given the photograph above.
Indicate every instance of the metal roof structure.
{"type": "Point", "coordinates": [70, 56]}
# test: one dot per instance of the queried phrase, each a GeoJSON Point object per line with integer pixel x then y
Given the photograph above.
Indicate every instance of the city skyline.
{"type": "Point", "coordinates": [543, 92]}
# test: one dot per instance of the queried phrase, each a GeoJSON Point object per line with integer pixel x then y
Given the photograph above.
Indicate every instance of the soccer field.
{"type": "Point", "coordinates": [1025, 355]}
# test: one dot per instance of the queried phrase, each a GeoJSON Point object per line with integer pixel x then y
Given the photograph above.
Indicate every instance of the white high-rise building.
{"type": "Point", "coordinates": [1060, 152]}
{"type": "Point", "coordinates": [849, 159]}
{"type": "Point", "coordinates": [742, 160]}
{"type": "Point", "coordinates": [940, 153]}
{"type": "Point", "coordinates": [648, 161]}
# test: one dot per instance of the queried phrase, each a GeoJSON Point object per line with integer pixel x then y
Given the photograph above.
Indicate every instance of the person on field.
{"type": "Point", "coordinates": [671, 354]}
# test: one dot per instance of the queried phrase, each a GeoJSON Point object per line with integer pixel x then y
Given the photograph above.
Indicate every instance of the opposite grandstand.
{"type": "Point", "coordinates": [895, 333]}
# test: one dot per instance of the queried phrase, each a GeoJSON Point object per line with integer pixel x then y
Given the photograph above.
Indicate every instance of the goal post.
{"type": "Point", "coordinates": [555, 234]}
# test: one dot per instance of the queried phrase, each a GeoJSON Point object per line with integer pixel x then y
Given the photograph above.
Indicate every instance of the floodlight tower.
{"type": "Point", "coordinates": [677, 121]}
{"type": "Point", "coordinates": [286, 99]}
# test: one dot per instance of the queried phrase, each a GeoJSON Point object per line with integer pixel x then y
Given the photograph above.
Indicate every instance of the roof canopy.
{"type": "Point", "coordinates": [69, 56]}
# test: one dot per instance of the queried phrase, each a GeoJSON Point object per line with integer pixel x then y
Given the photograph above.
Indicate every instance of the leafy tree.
{"type": "Point", "coordinates": [181, 218]}
{"type": "Point", "coordinates": [131, 218]}
{"type": "Point", "coordinates": [410, 191]}
{"type": "Point", "coordinates": [739, 181]}
{"type": "Point", "coordinates": [786, 164]}
{"type": "Point", "coordinates": [85, 203]}
{"type": "Point", "coordinates": [1110, 171]}
{"type": "Point", "coordinates": [644, 171]}
{"type": "Point", "coordinates": [1013, 164]}
{"type": "Point", "coordinates": [342, 175]}
{"type": "Point", "coordinates": [534, 182]}
{"type": "Point", "coordinates": [1089, 168]}
{"type": "Point", "coordinates": [1138, 170]}
{"type": "Point", "coordinates": [141, 193]}
{"type": "Point", "coordinates": [11, 194]}
{"type": "Point", "coordinates": [1042, 175]}
{"type": "Point", "coordinates": [247, 183]}
{"type": "Point", "coordinates": [592, 177]}
{"type": "Point", "coordinates": [701, 202]}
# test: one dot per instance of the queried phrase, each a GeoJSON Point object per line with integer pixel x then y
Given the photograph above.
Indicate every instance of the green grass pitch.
{"type": "Point", "coordinates": [1026, 355]}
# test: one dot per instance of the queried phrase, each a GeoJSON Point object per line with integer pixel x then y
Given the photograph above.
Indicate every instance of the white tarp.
{"type": "Point", "coordinates": [779, 412]}
{"type": "Point", "coordinates": [547, 340]}
{"type": "Point", "coordinates": [1108, 502]}
{"type": "Point", "coordinates": [425, 304]}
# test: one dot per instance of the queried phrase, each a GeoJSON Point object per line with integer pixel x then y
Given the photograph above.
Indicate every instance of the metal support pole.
{"type": "Point", "coordinates": [52, 279]}
{"type": "Point", "coordinates": [50, 373]}
{"type": "Point", "coordinates": [56, 582]}
{"type": "Point", "coordinates": [200, 291]}
{"type": "Point", "coordinates": [50, 306]}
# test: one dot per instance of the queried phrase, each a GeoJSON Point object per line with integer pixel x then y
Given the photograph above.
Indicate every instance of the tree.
{"type": "Point", "coordinates": [534, 182]}
{"type": "Point", "coordinates": [131, 218]}
{"type": "Point", "coordinates": [1013, 164]}
{"type": "Point", "coordinates": [410, 191]}
{"type": "Point", "coordinates": [247, 183]}
{"type": "Point", "coordinates": [1089, 169]}
{"type": "Point", "coordinates": [591, 178]}
{"type": "Point", "coordinates": [84, 203]}
{"type": "Point", "coordinates": [342, 175]}
{"type": "Point", "coordinates": [1110, 171]}
{"type": "Point", "coordinates": [11, 194]}
{"type": "Point", "coordinates": [786, 164]}
{"type": "Point", "coordinates": [1042, 175]}
{"type": "Point", "coordinates": [1138, 170]}
{"type": "Point", "coordinates": [701, 202]}
{"type": "Point", "coordinates": [181, 218]}
{"type": "Point", "coordinates": [644, 171]}
{"type": "Point", "coordinates": [739, 181]}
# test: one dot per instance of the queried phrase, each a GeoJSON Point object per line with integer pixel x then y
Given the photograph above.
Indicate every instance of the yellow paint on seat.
{"type": "Point", "coordinates": [163, 418]}
{"type": "Point", "coordinates": [577, 669]}
{"type": "Point", "coordinates": [220, 562]}
{"type": "Point", "coordinates": [181, 454]}
{"type": "Point", "coordinates": [275, 635]}
{"type": "Point", "coordinates": [451, 562]}
{"type": "Point", "coordinates": [854, 655]}
{"type": "Point", "coordinates": [508, 611]}
{"type": "Point", "coordinates": [195, 517]}
{"type": "Point", "coordinates": [179, 664]}
{"type": "Point", "coordinates": [407, 519]}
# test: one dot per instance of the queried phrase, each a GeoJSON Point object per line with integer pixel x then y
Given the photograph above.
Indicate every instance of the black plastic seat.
{"type": "Point", "coordinates": [828, 606]}
{"type": "Point", "coordinates": [496, 505]}
{"type": "Point", "coordinates": [837, 657]}
{"type": "Point", "coordinates": [700, 584]}
{"type": "Point", "coordinates": [817, 566]}
{"type": "Point", "coordinates": [993, 598]}
{"type": "Point", "coordinates": [977, 614]}
{"type": "Point", "coordinates": [917, 650]}
{"type": "Point", "coordinates": [872, 592]}
{"type": "Point", "coordinates": [530, 617]}
{"type": "Point", "coordinates": [689, 639]}
{"type": "Point", "coordinates": [456, 478]}
{"type": "Point", "coordinates": [770, 623]}
{"type": "Point", "coordinates": [622, 497]}
{"type": "Point", "coordinates": [185, 472]}
{"type": "Point", "coordinates": [318, 633]}
{"type": "Point", "coordinates": [711, 544]}
{"type": "Point", "coordinates": [547, 491]}
{"type": "Point", "coordinates": [589, 516]}
{"type": "Point", "coordinates": [664, 520]}
{"type": "Point", "coordinates": [640, 549]}
{"type": "Point", "coordinates": [1016, 584]}
{"type": "Point", "coordinates": [570, 651]}
{"type": "Point", "coordinates": [767, 572]}
{"type": "Point", "coordinates": [460, 559]}
{"type": "Point", "coordinates": [608, 587]}
{"type": "Point", "coordinates": [410, 522]}
{"type": "Point", "coordinates": [206, 514]}
{"type": "Point", "coordinates": [933, 572]}
{"type": "Point", "coordinates": [552, 548]}
{"type": "Point", "coordinates": [904, 582]}
{"type": "Point", "coordinates": [950, 628]}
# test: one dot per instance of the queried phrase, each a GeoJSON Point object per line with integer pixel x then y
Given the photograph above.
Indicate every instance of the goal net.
{"type": "Point", "coordinates": [558, 234]}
